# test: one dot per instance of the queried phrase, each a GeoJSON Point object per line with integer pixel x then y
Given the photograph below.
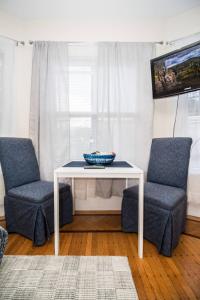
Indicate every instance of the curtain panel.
{"type": "Point", "coordinates": [7, 103]}
{"type": "Point", "coordinates": [7, 99]}
{"type": "Point", "coordinates": [124, 106]}
{"type": "Point", "coordinates": [49, 129]}
{"type": "Point", "coordinates": [188, 124]}
{"type": "Point", "coordinates": [88, 97]}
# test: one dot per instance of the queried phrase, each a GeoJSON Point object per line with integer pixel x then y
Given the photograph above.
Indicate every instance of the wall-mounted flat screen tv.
{"type": "Point", "coordinates": [176, 72]}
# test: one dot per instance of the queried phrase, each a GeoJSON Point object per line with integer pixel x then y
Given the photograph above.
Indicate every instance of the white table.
{"type": "Point", "coordinates": [109, 172]}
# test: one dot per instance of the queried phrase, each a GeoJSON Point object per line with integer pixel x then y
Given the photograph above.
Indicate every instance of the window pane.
{"type": "Point", "coordinates": [80, 136]}
{"type": "Point", "coordinates": [80, 89]}
{"type": "Point", "coordinates": [61, 87]}
{"type": "Point", "coordinates": [194, 103]}
{"type": "Point", "coordinates": [194, 128]}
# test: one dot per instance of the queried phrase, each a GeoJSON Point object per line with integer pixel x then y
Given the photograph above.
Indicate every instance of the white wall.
{"type": "Point", "coordinates": [11, 26]}
{"type": "Point", "coordinates": [97, 29]}
{"type": "Point", "coordinates": [183, 24]}
{"type": "Point", "coordinates": [91, 20]}
{"type": "Point", "coordinates": [80, 25]}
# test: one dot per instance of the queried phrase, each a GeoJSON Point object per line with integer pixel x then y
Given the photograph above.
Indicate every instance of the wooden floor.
{"type": "Point", "coordinates": [155, 276]}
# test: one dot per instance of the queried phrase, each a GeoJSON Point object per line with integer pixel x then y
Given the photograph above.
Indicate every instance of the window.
{"type": "Point", "coordinates": [99, 102]}
{"type": "Point", "coordinates": [80, 89]}
{"type": "Point", "coordinates": [80, 81]}
{"type": "Point", "coordinates": [194, 104]}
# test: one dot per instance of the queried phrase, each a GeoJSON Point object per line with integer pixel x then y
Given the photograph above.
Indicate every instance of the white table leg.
{"type": "Point", "coordinates": [56, 215]}
{"type": "Point", "coordinates": [141, 216]}
{"type": "Point", "coordinates": [73, 195]}
{"type": "Point", "coordinates": [126, 183]}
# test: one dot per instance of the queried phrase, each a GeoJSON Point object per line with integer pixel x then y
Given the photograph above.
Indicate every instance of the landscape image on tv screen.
{"type": "Point", "coordinates": [175, 73]}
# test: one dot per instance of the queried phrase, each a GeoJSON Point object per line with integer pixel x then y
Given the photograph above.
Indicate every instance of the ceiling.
{"type": "Point", "coordinates": [61, 9]}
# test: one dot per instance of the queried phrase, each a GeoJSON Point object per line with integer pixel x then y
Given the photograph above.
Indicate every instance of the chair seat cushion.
{"type": "Point", "coordinates": [37, 191]}
{"type": "Point", "coordinates": [163, 196]}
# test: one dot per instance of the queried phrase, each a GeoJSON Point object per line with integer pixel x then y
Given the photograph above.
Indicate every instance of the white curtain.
{"type": "Point", "coordinates": [188, 124]}
{"type": "Point", "coordinates": [88, 97]}
{"type": "Point", "coordinates": [49, 122]}
{"type": "Point", "coordinates": [7, 99]}
{"type": "Point", "coordinates": [124, 100]}
{"type": "Point", "coordinates": [7, 103]}
{"type": "Point", "coordinates": [124, 105]}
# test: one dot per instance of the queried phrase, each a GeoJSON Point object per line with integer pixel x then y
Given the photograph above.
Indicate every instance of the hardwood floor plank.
{"type": "Point", "coordinates": [175, 274]}
{"type": "Point", "coordinates": [88, 250]}
{"type": "Point", "coordinates": [78, 244]}
{"type": "Point", "coordinates": [162, 278]}
{"type": "Point", "coordinates": [143, 280]}
{"type": "Point", "coordinates": [192, 278]}
{"type": "Point", "coordinates": [157, 285]}
{"type": "Point", "coordinates": [65, 245]}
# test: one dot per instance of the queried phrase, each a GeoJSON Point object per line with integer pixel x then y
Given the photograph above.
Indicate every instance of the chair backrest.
{"type": "Point", "coordinates": [18, 162]}
{"type": "Point", "coordinates": [169, 161]}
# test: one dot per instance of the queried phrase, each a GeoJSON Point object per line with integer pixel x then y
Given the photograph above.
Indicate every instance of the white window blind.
{"type": "Point", "coordinates": [194, 104]}
{"type": "Point", "coordinates": [194, 128]}
{"type": "Point", "coordinates": [81, 86]}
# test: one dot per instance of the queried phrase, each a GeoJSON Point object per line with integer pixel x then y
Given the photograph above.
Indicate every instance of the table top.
{"type": "Point", "coordinates": [130, 171]}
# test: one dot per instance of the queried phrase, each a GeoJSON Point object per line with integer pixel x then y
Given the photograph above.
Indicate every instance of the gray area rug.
{"type": "Point", "coordinates": [66, 277]}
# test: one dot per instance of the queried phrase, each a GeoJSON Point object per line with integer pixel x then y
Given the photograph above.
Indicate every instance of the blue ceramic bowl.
{"type": "Point", "coordinates": [99, 159]}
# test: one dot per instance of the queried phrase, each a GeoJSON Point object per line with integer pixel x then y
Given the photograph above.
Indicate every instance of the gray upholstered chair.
{"type": "Point", "coordinates": [3, 241]}
{"type": "Point", "coordinates": [28, 202]}
{"type": "Point", "coordinates": [165, 198]}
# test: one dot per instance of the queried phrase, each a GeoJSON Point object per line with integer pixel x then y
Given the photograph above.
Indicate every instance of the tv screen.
{"type": "Point", "coordinates": [176, 72]}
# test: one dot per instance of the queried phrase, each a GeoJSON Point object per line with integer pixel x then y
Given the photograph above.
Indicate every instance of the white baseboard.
{"type": "Point", "coordinates": [1, 211]}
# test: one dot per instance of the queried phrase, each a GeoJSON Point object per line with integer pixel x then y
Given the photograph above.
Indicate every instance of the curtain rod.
{"type": "Point", "coordinates": [81, 42]}
{"type": "Point", "coordinates": [14, 40]}
{"type": "Point", "coordinates": [182, 38]}
{"type": "Point", "coordinates": [156, 42]}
